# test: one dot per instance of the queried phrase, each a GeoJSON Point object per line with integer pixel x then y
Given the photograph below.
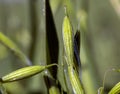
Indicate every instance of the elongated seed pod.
{"type": "Point", "coordinates": [115, 89]}
{"type": "Point", "coordinates": [24, 73]}
{"type": "Point", "coordinates": [75, 82]}
{"type": "Point", "coordinates": [68, 39]}
{"type": "Point", "coordinates": [69, 53]}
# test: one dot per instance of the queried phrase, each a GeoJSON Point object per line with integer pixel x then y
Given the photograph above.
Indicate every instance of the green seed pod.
{"type": "Point", "coordinates": [24, 73]}
{"type": "Point", "coordinates": [115, 89]}
{"type": "Point", "coordinates": [69, 53]}
{"type": "Point", "coordinates": [75, 82]}
{"type": "Point", "coordinates": [68, 38]}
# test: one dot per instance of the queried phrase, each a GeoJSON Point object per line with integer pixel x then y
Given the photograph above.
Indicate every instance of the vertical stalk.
{"type": "Point", "coordinates": [34, 27]}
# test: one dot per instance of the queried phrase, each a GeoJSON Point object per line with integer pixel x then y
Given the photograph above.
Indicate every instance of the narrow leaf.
{"type": "Point", "coordinates": [24, 73]}
{"type": "Point", "coordinates": [51, 39]}
{"type": "Point", "coordinates": [9, 44]}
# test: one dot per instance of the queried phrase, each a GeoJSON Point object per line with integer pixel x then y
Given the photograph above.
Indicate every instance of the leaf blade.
{"type": "Point", "coordinates": [10, 45]}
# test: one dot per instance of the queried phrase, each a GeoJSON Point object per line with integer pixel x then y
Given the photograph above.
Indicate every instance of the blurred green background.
{"type": "Point", "coordinates": [23, 21]}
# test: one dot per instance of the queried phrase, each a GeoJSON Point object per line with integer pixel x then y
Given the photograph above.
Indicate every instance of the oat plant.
{"type": "Point", "coordinates": [70, 66]}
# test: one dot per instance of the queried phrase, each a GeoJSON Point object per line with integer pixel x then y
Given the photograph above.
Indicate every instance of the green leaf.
{"type": "Point", "coordinates": [9, 44]}
{"type": "Point", "coordinates": [115, 89]}
{"type": "Point", "coordinates": [24, 73]}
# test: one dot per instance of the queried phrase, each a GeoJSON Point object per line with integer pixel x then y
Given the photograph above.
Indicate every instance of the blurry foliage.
{"type": "Point", "coordinates": [29, 25]}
